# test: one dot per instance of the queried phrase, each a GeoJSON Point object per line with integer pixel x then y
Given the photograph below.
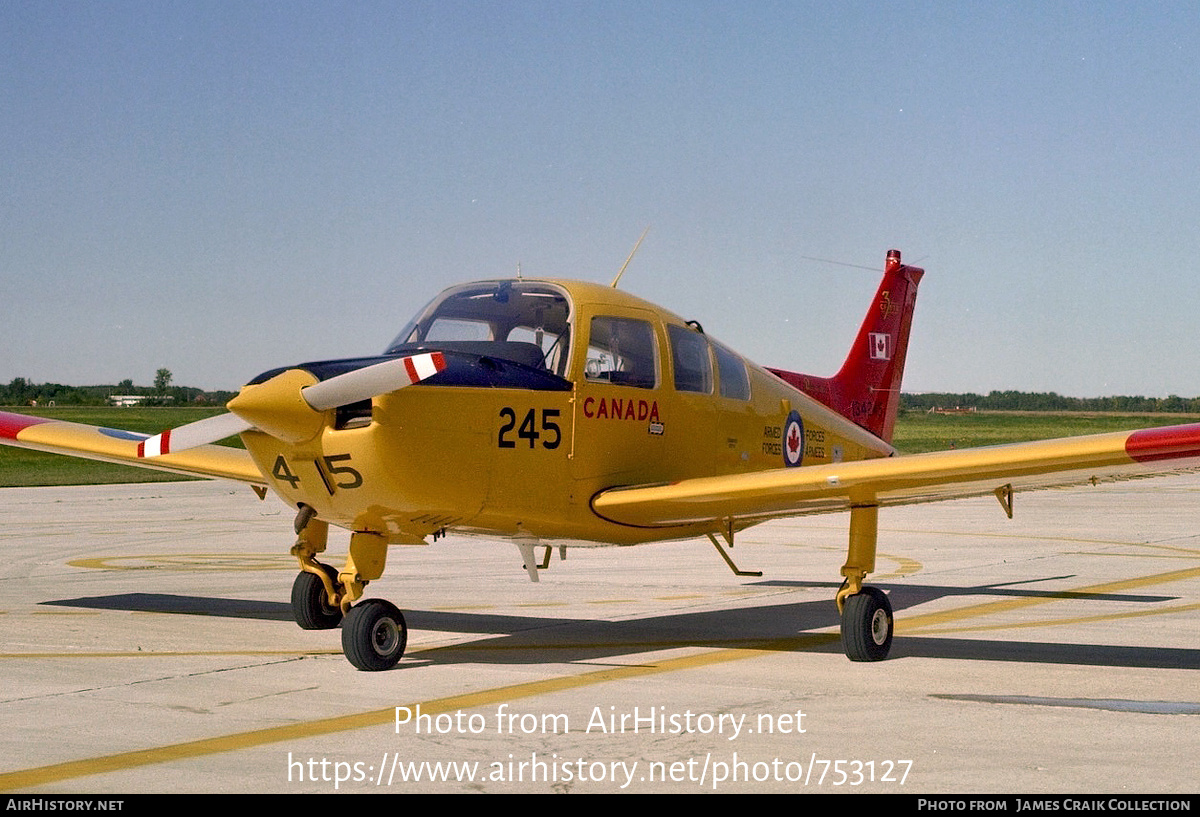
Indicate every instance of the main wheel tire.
{"type": "Point", "coordinates": [867, 625]}
{"type": "Point", "coordinates": [374, 635]}
{"type": "Point", "coordinates": [310, 604]}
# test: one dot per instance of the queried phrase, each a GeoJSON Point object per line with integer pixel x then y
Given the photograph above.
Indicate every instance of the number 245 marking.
{"type": "Point", "coordinates": [528, 429]}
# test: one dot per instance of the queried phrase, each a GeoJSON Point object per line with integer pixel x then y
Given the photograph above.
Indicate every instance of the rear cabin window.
{"type": "Point", "coordinates": [689, 355]}
{"type": "Point", "coordinates": [622, 351]}
{"type": "Point", "coordinates": [731, 371]}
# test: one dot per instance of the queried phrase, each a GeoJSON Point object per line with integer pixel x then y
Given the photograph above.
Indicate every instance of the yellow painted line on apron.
{"type": "Point", "coordinates": [412, 652]}
{"type": "Point", "coordinates": [1058, 622]}
{"type": "Point", "coordinates": [904, 567]}
{"type": "Point", "coordinates": [58, 772]}
{"type": "Point", "coordinates": [989, 608]}
{"type": "Point", "coordinates": [171, 654]}
{"type": "Point", "coordinates": [1174, 550]}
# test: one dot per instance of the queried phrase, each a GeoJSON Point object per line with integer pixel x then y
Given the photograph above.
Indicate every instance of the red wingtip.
{"type": "Point", "coordinates": [12, 425]}
{"type": "Point", "coordinates": [1167, 443]}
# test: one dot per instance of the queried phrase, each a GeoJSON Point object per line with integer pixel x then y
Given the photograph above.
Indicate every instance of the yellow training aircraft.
{"type": "Point", "coordinates": [558, 413]}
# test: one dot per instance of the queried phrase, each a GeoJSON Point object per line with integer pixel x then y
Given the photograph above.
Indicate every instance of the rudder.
{"type": "Point", "coordinates": [867, 388]}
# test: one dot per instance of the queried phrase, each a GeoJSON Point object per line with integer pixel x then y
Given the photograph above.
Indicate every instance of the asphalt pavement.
{"type": "Point", "coordinates": [148, 646]}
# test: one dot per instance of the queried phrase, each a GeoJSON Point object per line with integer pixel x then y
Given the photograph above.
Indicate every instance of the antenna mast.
{"type": "Point", "coordinates": [630, 258]}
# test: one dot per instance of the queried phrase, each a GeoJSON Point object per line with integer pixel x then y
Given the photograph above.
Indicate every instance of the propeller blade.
{"type": "Point", "coordinates": [369, 381]}
{"type": "Point", "coordinates": [351, 387]}
{"type": "Point", "coordinates": [201, 432]}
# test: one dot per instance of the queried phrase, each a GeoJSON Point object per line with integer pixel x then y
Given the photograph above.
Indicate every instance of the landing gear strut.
{"type": "Point", "coordinates": [374, 633]}
{"type": "Point", "coordinates": [867, 620]}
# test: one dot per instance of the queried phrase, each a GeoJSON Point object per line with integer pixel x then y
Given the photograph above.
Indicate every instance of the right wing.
{"type": "Point", "coordinates": [904, 480]}
{"type": "Point", "coordinates": [113, 445]}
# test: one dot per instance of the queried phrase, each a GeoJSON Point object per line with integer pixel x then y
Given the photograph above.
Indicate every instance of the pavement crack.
{"type": "Point", "coordinates": [154, 680]}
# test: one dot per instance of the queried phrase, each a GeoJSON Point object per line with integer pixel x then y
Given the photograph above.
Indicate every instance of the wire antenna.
{"type": "Point", "coordinates": [838, 263]}
{"type": "Point", "coordinates": [854, 266]}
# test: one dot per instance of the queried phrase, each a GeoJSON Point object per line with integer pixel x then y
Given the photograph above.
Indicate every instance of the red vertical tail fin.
{"type": "Point", "coordinates": [867, 389]}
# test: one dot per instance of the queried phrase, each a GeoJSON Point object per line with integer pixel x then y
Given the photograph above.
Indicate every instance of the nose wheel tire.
{"type": "Point", "coordinates": [374, 635]}
{"type": "Point", "coordinates": [310, 604]}
{"type": "Point", "coordinates": [867, 625]}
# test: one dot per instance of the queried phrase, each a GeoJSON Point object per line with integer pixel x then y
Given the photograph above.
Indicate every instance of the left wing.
{"type": "Point", "coordinates": [903, 480]}
{"type": "Point", "coordinates": [113, 445]}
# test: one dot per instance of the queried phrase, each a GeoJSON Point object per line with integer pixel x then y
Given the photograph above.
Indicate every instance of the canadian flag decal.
{"type": "Point", "coordinates": [881, 346]}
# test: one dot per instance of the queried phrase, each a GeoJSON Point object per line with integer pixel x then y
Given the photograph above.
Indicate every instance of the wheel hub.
{"type": "Point", "coordinates": [385, 636]}
{"type": "Point", "coordinates": [879, 627]}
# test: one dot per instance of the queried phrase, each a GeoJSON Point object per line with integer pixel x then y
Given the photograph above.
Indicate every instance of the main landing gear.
{"type": "Point", "coordinates": [867, 625]}
{"type": "Point", "coordinates": [867, 620]}
{"type": "Point", "coordinates": [374, 632]}
{"type": "Point", "coordinates": [374, 635]}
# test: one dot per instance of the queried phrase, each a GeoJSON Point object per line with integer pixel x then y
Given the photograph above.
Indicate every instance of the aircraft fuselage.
{"type": "Point", "coordinates": [530, 421]}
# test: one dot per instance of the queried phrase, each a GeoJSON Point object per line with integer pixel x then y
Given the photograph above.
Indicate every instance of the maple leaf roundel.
{"type": "Point", "coordinates": [793, 440]}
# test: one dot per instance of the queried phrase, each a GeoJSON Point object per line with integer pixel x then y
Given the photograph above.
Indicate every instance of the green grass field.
{"type": "Point", "coordinates": [915, 432]}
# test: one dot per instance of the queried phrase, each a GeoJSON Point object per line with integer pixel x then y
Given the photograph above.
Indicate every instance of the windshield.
{"type": "Point", "coordinates": [525, 321]}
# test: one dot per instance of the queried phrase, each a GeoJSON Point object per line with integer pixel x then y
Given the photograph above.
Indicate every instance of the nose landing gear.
{"type": "Point", "coordinates": [374, 632]}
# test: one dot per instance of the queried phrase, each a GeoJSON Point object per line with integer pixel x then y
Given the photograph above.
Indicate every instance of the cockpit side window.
{"type": "Point", "coordinates": [689, 355]}
{"type": "Point", "coordinates": [527, 322]}
{"type": "Point", "coordinates": [622, 351]}
{"type": "Point", "coordinates": [731, 371]}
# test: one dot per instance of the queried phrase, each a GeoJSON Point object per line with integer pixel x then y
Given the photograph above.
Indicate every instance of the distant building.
{"type": "Point", "coordinates": [135, 399]}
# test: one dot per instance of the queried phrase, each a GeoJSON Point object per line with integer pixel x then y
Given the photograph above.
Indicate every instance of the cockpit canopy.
{"type": "Point", "coordinates": [524, 321]}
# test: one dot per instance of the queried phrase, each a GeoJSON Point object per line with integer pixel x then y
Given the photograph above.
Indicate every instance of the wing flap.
{"type": "Point", "coordinates": [114, 445]}
{"type": "Point", "coordinates": [904, 480]}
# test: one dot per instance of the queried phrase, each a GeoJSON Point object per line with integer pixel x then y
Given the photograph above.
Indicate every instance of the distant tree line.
{"type": "Point", "coordinates": [21, 392]}
{"type": "Point", "coordinates": [1047, 401]}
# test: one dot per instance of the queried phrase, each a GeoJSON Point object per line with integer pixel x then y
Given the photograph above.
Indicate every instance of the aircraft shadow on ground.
{"type": "Point", "coordinates": [789, 627]}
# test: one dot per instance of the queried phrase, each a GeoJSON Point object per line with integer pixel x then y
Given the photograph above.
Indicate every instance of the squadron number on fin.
{"type": "Point", "coordinates": [550, 435]}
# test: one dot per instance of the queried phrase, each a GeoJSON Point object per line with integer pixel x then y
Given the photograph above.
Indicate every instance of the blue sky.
{"type": "Point", "coordinates": [223, 188]}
